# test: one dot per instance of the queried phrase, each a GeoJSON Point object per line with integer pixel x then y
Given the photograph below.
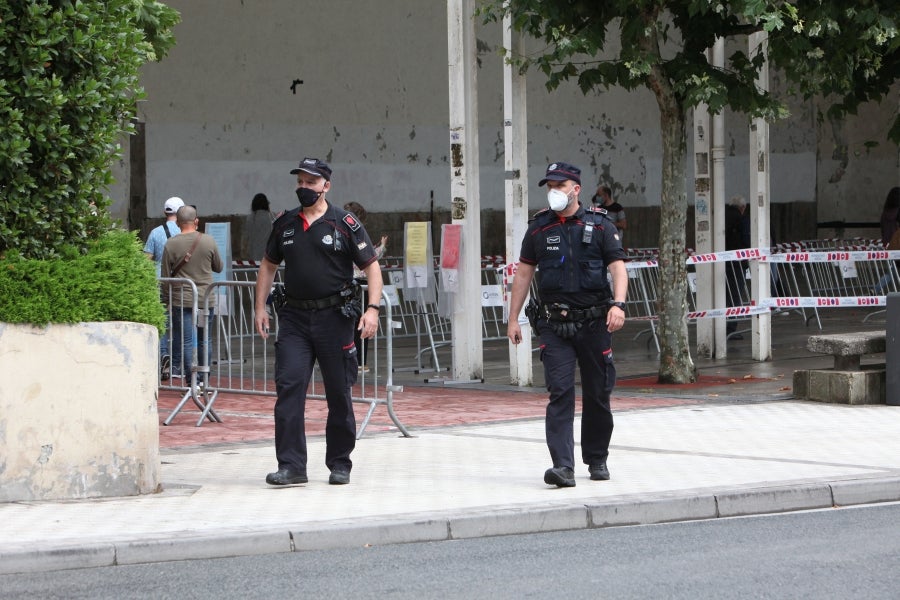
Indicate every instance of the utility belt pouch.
{"type": "Point", "coordinates": [566, 329]}
{"type": "Point", "coordinates": [352, 305]}
{"type": "Point", "coordinates": [277, 298]}
{"type": "Point", "coordinates": [533, 312]}
{"type": "Point", "coordinates": [557, 312]}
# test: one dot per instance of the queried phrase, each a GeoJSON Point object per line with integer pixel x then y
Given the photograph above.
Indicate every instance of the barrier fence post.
{"type": "Point", "coordinates": [892, 351]}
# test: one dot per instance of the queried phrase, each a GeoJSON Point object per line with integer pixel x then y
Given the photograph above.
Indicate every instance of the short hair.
{"type": "Point", "coordinates": [737, 201]}
{"type": "Point", "coordinates": [357, 209]}
{"type": "Point", "coordinates": [893, 199]}
{"type": "Point", "coordinates": [260, 202]}
{"type": "Point", "coordinates": [606, 190]}
{"type": "Point", "coordinates": [186, 214]}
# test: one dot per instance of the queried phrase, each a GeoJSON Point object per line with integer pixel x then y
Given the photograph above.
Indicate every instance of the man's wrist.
{"type": "Point", "coordinates": [619, 305]}
{"type": "Point", "coordinates": [375, 306]}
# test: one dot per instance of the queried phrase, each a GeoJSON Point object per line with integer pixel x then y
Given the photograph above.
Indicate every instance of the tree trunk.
{"type": "Point", "coordinates": [675, 362]}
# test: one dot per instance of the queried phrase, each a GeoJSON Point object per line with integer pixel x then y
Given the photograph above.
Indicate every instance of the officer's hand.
{"type": "Point", "coordinates": [368, 324]}
{"type": "Point", "coordinates": [262, 323]}
{"type": "Point", "coordinates": [615, 319]}
{"type": "Point", "coordinates": [514, 332]}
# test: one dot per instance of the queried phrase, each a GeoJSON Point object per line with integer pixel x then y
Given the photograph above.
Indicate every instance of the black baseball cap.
{"type": "Point", "coordinates": [314, 166]}
{"type": "Point", "coordinates": [560, 171]}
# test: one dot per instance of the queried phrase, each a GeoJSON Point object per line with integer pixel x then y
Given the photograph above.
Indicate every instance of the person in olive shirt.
{"type": "Point", "coordinates": [191, 255]}
{"type": "Point", "coordinates": [319, 244]}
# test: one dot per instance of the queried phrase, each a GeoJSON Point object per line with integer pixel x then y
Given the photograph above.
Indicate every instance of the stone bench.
{"type": "Point", "coordinates": [848, 382]}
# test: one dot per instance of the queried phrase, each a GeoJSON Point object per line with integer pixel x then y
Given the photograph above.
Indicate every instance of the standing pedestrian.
{"type": "Point", "coordinates": [156, 243]}
{"type": "Point", "coordinates": [615, 212]}
{"type": "Point", "coordinates": [319, 244]}
{"type": "Point", "coordinates": [192, 255]}
{"type": "Point", "coordinates": [890, 215]}
{"type": "Point", "coordinates": [737, 237]}
{"type": "Point", "coordinates": [259, 226]}
{"type": "Point", "coordinates": [574, 317]}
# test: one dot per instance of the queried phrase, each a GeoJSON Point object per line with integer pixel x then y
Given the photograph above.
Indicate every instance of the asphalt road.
{"type": "Point", "coordinates": [835, 553]}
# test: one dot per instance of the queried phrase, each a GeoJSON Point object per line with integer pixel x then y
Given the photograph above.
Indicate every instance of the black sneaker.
{"type": "Point", "coordinates": [286, 477]}
{"type": "Point", "coordinates": [599, 472]}
{"type": "Point", "coordinates": [560, 477]}
{"type": "Point", "coordinates": [165, 369]}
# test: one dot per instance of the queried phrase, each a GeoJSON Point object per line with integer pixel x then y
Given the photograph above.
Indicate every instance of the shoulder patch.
{"type": "Point", "coordinates": [351, 222]}
{"type": "Point", "coordinates": [541, 213]}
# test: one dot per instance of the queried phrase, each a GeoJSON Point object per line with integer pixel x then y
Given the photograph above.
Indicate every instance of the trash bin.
{"type": "Point", "coordinates": [892, 351]}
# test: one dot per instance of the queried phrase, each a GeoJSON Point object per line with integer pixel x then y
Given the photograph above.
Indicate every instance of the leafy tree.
{"type": "Point", "coordinates": [68, 87]}
{"type": "Point", "coordinates": [848, 52]}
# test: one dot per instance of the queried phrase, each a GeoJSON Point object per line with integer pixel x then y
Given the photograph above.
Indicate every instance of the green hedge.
{"type": "Point", "coordinates": [112, 281]}
{"type": "Point", "coordinates": [69, 82]}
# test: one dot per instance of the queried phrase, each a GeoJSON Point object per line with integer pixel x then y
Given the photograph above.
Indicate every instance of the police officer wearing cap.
{"type": "Point", "coordinates": [571, 248]}
{"type": "Point", "coordinates": [319, 244]}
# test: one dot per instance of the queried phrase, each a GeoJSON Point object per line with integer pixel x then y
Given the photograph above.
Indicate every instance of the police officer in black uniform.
{"type": "Point", "coordinates": [319, 244]}
{"type": "Point", "coordinates": [572, 247]}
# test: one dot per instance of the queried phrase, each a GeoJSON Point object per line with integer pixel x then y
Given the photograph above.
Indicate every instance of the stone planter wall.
{"type": "Point", "coordinates": [78, 414]}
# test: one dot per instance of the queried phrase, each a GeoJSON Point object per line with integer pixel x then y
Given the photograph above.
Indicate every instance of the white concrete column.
{"type": "Point", "coordinates": [465, 208]}
{"type": "Point", "coordinates": [718, 203]}
{"type": "Point", "coordinates": [703, 228]}
{"type": "Point", "coordinates": [759, 208]}
{"type": "Point", "coordinates": [515, 163]}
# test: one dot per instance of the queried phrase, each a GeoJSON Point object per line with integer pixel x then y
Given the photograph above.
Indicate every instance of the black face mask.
{"type": "Point", "coordinates": [307, 197]}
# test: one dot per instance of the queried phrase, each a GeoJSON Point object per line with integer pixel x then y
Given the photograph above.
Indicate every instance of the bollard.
{"type": "Point", "coordinates": [892, 351]}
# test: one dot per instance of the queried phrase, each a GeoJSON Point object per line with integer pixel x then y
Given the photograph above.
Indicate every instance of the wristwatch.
{"type": "Point", "coordinates": [375, 306]}
{"type": "Point", "coordinates": [619, 305]}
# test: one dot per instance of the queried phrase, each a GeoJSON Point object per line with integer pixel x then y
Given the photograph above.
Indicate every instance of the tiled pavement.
{"type": "Point", "coordinates": [734, 444]}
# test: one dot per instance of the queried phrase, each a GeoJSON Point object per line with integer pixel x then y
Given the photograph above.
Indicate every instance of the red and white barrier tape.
{"type": "Point", "coordinates": [823, 301]}
{"type": "Point", "coordinates": [834, 256]}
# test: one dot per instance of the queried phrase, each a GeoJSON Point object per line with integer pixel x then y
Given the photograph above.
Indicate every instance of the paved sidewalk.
{"type": "Point", "coordinates": [667, 464]}
{"type": "Point", "coordinates": [736, 443]}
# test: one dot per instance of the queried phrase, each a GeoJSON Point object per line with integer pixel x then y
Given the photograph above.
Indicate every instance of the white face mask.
{"type": "Point", "coordinates": [557, 200]}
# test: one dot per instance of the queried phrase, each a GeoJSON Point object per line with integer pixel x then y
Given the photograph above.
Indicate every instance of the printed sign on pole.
{"type": "Point", "coordinates": [451, 244]}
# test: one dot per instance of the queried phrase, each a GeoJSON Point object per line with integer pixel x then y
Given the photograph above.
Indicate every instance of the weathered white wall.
{"type": "Point", "coordinates": [78, 416]}
{"type": "Point", "coordinates": [223, 122]}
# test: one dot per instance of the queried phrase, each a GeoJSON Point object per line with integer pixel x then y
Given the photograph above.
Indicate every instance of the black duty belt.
{"type": "Point", "coordinates": [317, 304]}
{"type": "Point", "coordinates": [561, 312]}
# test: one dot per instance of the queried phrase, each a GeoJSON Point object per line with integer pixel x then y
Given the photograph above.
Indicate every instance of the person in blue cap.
{"type": "Point", "coordinates": [571, 247]}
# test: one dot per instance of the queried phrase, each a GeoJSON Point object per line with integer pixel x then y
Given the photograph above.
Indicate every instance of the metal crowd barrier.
{"type": "Point", "coordinates": [241, 362]}
{"type": "Point", "coordinates": [838, 279]}
{"type": "Point", "coordinates": [424, 313]}
{"type": "Point", "coordinates": [854, 272]}
{"type": "Point", "coordinates": [189, 382]}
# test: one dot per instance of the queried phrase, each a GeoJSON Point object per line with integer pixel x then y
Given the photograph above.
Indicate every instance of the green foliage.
{"type": "Point", "coordinates": [847, 52]}
{"type": "Point", "coordinates": [112, 281]}
{"type": "Point", "coordinates": [68, 86]}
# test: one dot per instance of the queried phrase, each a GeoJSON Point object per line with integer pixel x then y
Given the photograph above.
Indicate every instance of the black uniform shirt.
{"type": "Point", "coordinates": [319, 257]}
{"type": "Point", "coordinates": [570, 270]}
